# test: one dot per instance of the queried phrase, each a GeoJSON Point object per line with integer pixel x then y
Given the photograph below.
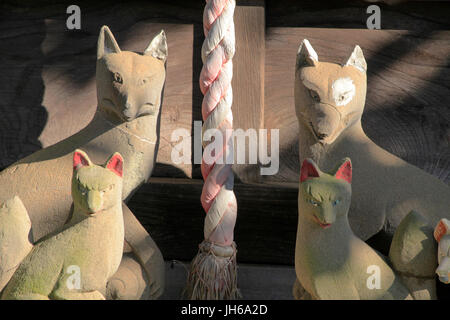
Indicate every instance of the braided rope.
{"type": "Point", "coordinates": [213, 274]}
{"type": "Point", "coordinates": [218, 199]}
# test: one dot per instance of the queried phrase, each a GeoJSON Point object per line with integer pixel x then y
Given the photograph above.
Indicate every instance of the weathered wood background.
{"type": "Point", "coordinates": [47, 92]}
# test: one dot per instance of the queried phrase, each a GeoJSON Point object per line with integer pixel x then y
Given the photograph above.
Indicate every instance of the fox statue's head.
{"type": "Point", "coordinates": [96, 188]}
{"type": "Point", "coordinates": [325, 198]}
{"type": "Point", "coordinates": [442, 236]}
{"type": "Point", "coordinates": [329, 97]}
{"type": "Point", "coordinates": [129, 85]}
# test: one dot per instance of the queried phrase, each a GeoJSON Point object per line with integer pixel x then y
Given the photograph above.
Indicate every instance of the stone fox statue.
{"type": "Point", "coordinates": [129, 92]}
{"type": "Point", "coordinates": [332, 263]}
{"type": "Point", "coordinates": [442, 236]}
{"type": "Point", "coordinates": [89, 246]}
{"type": "Point", "coordinates": [329, 102]}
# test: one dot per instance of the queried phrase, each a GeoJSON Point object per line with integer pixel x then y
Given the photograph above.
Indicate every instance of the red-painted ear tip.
{"type": "Point", "coordinates": [345, 171]}
{"type": "Point", "coordinates": [79, 160]}
{"type": "Point", "coordinates": [308, 170]}
{"type": "Point", "coordinates": [115, 164]}
{"type": "Point", "coordinates": [440, 230]}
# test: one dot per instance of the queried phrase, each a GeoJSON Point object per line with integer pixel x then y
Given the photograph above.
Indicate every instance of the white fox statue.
{"type": "Point", "coordinates": [329, 103]}
{"type": "Point", "coordinates": [129, 93]}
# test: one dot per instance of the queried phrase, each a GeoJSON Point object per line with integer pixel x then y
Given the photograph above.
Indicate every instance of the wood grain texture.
{"type": "Point", "coordinates": [408, 94]}
{"type": "Point", "coordinates": [408, 15]}
{"type": "Point", "coordinates": [265, 230]}
{"type": "Point", "coordinates": [248, 78]}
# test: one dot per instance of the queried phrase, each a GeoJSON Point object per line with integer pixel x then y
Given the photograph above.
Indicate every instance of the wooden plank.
{"type": "Point", "coordinates": [265, 230]}
{"type": "Point", "coordinates": [407, 15]}
{"type": "Point", "coordinates": [406, 108]}
{"type": "Point", "coordinates": [248, 77]}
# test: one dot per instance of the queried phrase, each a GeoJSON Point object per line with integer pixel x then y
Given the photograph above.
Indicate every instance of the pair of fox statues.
{"type": "Point", "coordinates": [75, 238]}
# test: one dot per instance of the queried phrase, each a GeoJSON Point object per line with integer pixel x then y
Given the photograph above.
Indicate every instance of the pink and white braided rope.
{"type": "Point", "coordinates": [218, 199]}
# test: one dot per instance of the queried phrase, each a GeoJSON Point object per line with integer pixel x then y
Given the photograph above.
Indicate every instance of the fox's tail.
{"type": "Point", "coordinates": [15, 237]}
{"type": "Point", "coordinates": [413, 255]}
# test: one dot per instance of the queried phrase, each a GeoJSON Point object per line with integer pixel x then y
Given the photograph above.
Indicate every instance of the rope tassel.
{"type": "Point", "coordinates": [213, 274]}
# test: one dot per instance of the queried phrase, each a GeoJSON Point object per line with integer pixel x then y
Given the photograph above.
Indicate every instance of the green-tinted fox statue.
{"type": "Point", "coordinates": [76, 262]}
{"type": "Point", "coordinates": [332, 263]}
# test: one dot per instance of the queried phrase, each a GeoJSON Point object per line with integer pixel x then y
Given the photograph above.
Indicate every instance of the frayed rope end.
{"type": "Point", "coordinates": [213, 274]}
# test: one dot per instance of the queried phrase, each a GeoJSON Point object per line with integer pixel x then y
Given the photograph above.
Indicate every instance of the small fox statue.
{"type": "Point", "coordinates": [129, 93]}
{"type": "Point", "coordinates": [89, 247]}
{"type": "Point", "coordinates": [329, 102]}
{"type": "Point", "coordinates": [332, 263]}
{"type": "Point", "coordinates": [442, 236]}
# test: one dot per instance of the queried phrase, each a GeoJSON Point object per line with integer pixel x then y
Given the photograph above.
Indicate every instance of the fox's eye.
{"type": "Point", "coordinates": [314, 95]}
{"type": "Point", "coordinates": [313, 202]}
{"type": "Point", "coordinates": [336, 202]}
{"type": "Point", "coordinates": [118, 78]}
{"type": "Point", "coordinates": [83, 191]}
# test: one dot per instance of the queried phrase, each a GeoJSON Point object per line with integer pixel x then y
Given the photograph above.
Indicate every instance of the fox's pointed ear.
{"type": "Point", "coordinates": [344, 170]}
{"type": "Point", "coordinates": [80, 159]}
{"type": "Point", "coordinates": [158, 47]}
{"type": "Point", "coordinates": [115, 164]}
{"type": "Point", "coordinates": [442, 229]}
{"type": "Point", "coordinates": [106, 43]}
{"type": "Point", "coordinates": [309, 170]}
{"type": "Point", "coordinates": [306, 56]}
{"type": "Point", "coordinates": [357, 60]}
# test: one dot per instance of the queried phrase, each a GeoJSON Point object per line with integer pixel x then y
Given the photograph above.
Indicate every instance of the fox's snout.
{"type": "Point", "coordinates": [128, 110]}
{"type": "Point", "coordinates": [323, 120]}
{"type": "Point", "coordinates": [94, 201]}
{"type": "Point", "coordinates": [325, 217]}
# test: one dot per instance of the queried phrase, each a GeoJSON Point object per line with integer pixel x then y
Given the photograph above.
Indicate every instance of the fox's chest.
{"type": "Point", "coordinates": [323, 273]}
{"type": "Point", "coordinates": [96, 248]}
{"type": "Point", "coordinates": [345, 270]}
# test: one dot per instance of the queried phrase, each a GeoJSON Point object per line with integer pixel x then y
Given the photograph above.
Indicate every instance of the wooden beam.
{"type": "Point", "coordinates": [266, 226]}
{"type": "Point", "coordinates": [248, 76]}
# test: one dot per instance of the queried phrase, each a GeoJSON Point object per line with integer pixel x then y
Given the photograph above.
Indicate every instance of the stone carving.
{"type": "Point", "coordinates": [76, 262]}
{"type": "Point", "coordinates": [329, 102]}
{"type": "Point", "coordinates": [129, 87]}
{"type": "Point", "coordinates": [15, 237]}
{"type": "Point", "coordinates": [442, 236]}
{"type": "Point", "coordinates": [332, 263]}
